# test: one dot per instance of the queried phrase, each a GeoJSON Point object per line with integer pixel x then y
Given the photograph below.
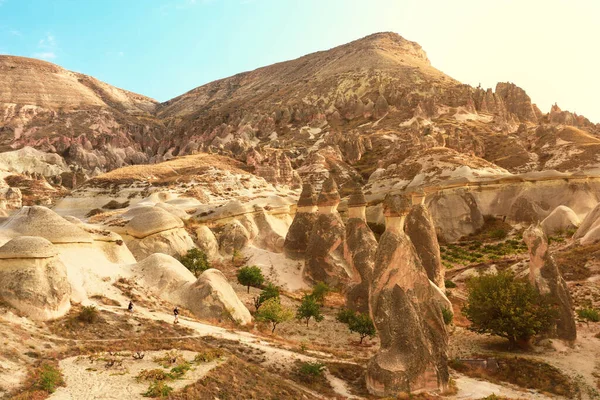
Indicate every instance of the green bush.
{"type": "Point", "coordinates": [449, 284]}
{"type": "Point", "coordinates": [88, 314]}
{"type": "Point", "coordinates": [209, 355]}
{"type": "Point", "coordinates": [269, 292]}
{"type": "Point", "coordinates": [309, 308]}
{"type": "Point", "coordinates": [273, 312]}
{"type": "Point", "coordinates": [50, 378]}
{"type": "Point", "coordinates": [498, 234]}
{"type": "Point", "coordinates": [180, 370]}
{"type": "Point", "coordinates": [448, 315]}
{"type": "Point", "coordinates": [589, 314]}
{"type": "Point", "coordinates": [250, 276]}
{"type": "Point", "coordinates": [501, 305]}
{"type": "Point", "coordinates": [320, 291]}
{"type": "Point", "coordinates": [358, 323]}
{"type": "Point", "coordinates": [196, 261]}
{"type": "Point", "coordinates": [311, 370]}
{"type": "Point", "coordinates": [158, 389]}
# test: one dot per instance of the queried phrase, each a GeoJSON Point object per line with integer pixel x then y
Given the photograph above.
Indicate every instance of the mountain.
{"type": "Point", "coordinates": [359, 111]}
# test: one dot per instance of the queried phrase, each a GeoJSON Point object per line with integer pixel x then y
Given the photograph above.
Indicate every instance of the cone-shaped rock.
{"type": "Point", "coordinates": [413, 353]}
{"type": "Point", "coordinates": [545, 276]}
{"type": "Point", "coordinates": [325, 260]}
{"type": "Point", "coordinates": [361, 246]}
{"type": "Point", "coordinates": [298, 234]}
{"type": "Point", "coordinates": [420, 229]}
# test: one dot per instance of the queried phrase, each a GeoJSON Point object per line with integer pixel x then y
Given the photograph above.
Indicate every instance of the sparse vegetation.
{"type": "Point", "coordinates": [271, 311]}
{"type": "Point", "coordinates": [88, 314]}
{"type": "Point", "coordinates": [158, 389]}
{"type": "Point", "coordinates": [320, 291]}
{"type": "Point", "coordinates": [208, 356]}
{"type": "Point", "coordinates": [449, 284]}
{"type": "Point", "coordinates": [309, 308]}
{"type": "Point", "coordinates": [589, 314]}
{"type": "Point", "coordinates": [50, 378]}
{"type": "Point", "coordinates": [250, 276]}
{"type": "Point", "coordinates": [196, 261]}
{"type": "Point", "coordinates": [269, 292]}
{"type": "Point", "coordinates": [357, 322]}
{"type": "Point", "coordinates": [501, 305]}
{"type": "Point", "coordinates": [311, 370]}
{"type": "Point", "coordinates": [448, 315]}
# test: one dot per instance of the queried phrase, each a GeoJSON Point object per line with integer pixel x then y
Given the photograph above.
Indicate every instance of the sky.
{"type": "Point", "coordinates": [163, 48]}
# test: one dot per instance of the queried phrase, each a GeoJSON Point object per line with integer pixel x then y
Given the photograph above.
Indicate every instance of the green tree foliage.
{"type": "Point", "coordinates": [320, 290]}
{"type": "Point", "coordinates": [507, 307]}
{"type": "Point", "coordinates": [309, 371]}
{"type": "Point", "coordinates": [250, 276]}
{"type": "Point", "coordinates": [269, 292]}
{"type": "Point", "coordinates": [588, 315]}
{"type": "Point", "coordinates": [271, 311]}
{"type": "Point", "coordinates": [196, 261]}
{"type": "Point", "coordinates": [309, 308]}
{"type": "Point", "coordinates": [88, 314]}
{"type": "Point", "coordinates": [448, 315]}
{"type": "Point", "coordinates": [357, 322]}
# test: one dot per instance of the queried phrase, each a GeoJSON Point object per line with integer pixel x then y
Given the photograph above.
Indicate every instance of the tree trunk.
{"type": "Point", "coordinates": [307, 319]}
{"type": "Point", "coordinates": [248, 288]}
{"type": "Point", "coordinates": [274, 326]}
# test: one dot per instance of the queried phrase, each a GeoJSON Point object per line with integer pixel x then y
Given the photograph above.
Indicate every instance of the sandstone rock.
{"type": "Point", "coordinates": [207, 242]}
{"type": "Point", "coordinates": [297, 237]}
{"type": "Point", "coordinates": [420, 229]}
{"type": "Point", "coordinates": [361, 246]}
{"type": "Point", "coordinates": [212, 297]}
{"type": "Point", "coordinates": [526, 210]}
{"type": "Point", "coordinates": [456, 214]}
{"type": "Point", "coordinates": [559, 220]}
{"type": "Point", "coordinates": [591, 220]}
{"type": "Point", "coordinates": [413, 352]}
{"type": "Point", "coordinates": [33, 279]}
{"type": "Point", "coordinates": [232, 236]}
{"type": "Point", "coordinates": [325, 251]}
{"type": "Point", "coordinates": [173, 242]}
{"type": "Point", "coordinates": [151, 221]}
{"type": "Point", "coordinates": [545, 276]}
{"type": "Point", "coordinates": [43, 222]}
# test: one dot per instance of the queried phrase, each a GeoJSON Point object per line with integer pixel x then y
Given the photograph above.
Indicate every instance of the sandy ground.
{"type": "Point", "coordinates": [89, 379]}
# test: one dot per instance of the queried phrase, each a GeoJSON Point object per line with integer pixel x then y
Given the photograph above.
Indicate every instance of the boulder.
{"type": "Point", "coordinates": [545, 276]}
{"type": "Point", "coordinates": [591, 221]}
{"type": "Point", "coordinates": [559, 220]}
{"type": "Point", "coordinates": [233, 237]}
{"type": "Point", "coordinates": [33, 279]}
{"type": "Point", "coordinates": [212, 297]}
{"type": "Point", "coordinates": [413, 352]}
{"type": "Point", "coordinates": [421, 231]}
{"type": "Point", "coordinates": [207, 242]}
{"type": "Point", "coordinates": [527, 211]}
{"type": "Point", "coordinates": [43, 222]}
{"type": "Point", "coordinates": [297, 237]}
{"type": "Point", "coordinates": [325, 260]}
{"type": "Point", "coordinates": [151, 221]}
{"type": "Point", "coordinates": [173, 242]}
{"type": "Point", "coordinates": [361, 246]}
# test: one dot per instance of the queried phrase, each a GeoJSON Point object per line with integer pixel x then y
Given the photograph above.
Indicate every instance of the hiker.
{"type": "Point", "coordinates": [176, 314]}
{"type": "Point", "coordinates": [130, 306]}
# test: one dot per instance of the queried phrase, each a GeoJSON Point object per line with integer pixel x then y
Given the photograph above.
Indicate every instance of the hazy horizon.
{"type": "Point", "coordinates": [163, 49]}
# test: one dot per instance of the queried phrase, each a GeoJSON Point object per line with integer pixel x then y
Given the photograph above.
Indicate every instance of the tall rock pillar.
{"type": "Point", "coordinates": [413, 353]}
{"type": "Point", "coordinates": [296, 240]}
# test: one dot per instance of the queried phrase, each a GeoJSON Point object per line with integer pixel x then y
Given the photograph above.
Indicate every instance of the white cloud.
{"type": "Point", "coordinates": [46, 55]}
{"type": "Point", "coordinates": [48, 42]}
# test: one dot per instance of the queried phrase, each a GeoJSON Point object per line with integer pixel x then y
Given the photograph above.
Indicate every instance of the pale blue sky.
{"type": "Point", "coordinates": [163, 48]}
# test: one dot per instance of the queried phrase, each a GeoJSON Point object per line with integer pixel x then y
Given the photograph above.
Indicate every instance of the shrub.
{"type": "Point", "coordinates": [250, 276]}
{"type": "Point", "coordinates": [196, 261]}
{"type": "Point", "coordinates": [449, 284]}
{"type": "Point", "coordinates": [269, 292]}
{"type": "Point", "coordinates": [503, 306]}
{"type": "Point", "coordinates": [180, 370]}
{"type": "Point", "coordinates": [311, 370]}
{"type": "Point", "coordinates": [320, 290]}
{"type": "Point", "coordinates": [357, 322]}
{"type": "Point", "coordinates": [448, 315]}
{"type": "Point", "coordinates": [88, 314]}
{"type": "Point", "coordinates": [208, 356]}
{"type": "Point", "coordinates": [589, 314]}
{"type": "Point", "coordinates": [498, 234]}
{"type": "Point", "coordinates": [153, 375]}
{"type": "Point", "coordinates": [50, 378]}
{"type": "Point", "coordinates": [273, 312]}
{"type": "Point", "coordinates": [309, 308]}
{"type": "Point", "coordinates": [158, 389]}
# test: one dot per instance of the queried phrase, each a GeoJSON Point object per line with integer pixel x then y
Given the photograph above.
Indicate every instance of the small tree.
{"type": "Point", "coordinates": [250, 276]}
{"type": "Point", "coordinates": [196, 261]}
{"type": "Point", "coordinates": [309, 308]}
{"type": "Point", "coordinates": [269, 292]}
{"type": "Point", "coordinates": [320, 290]}
{"type": "Point", "coordinates": [273, 312]}
{"type": "Point", "coordinates": [503, 306]}
{"type": "Point", "coordinates": [358, 323]}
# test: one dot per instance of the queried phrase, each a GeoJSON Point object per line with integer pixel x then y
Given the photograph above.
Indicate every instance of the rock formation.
{"type": "Point", "coordinates": [296, 240]}
{"type": "Point", "coordinates": [325, 260]}
{"type": "Point", "coordinates": [413, 353]}
{"type": "Point", "coordinates": [420, 229]}
{"type": "Point", "coordinates": [589, 231]}
{"type": "Point", "coordinates": [560, 219]}
{"type": "Point", "coordinates": [545, 276]}
{"type": "Point", "coordinates": [207, 242]}
{"type": "Point", "coordinates": [33, 279]}
{"type": "Point", "coordinates": [361, 246]}
{"type": "Point", "coordinates": [210, 296]}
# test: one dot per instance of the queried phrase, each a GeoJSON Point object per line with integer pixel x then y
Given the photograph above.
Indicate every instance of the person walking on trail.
{"type": "Point", "coordinates": [176, 314]}
{"type": "Point", "coordinates": [130, 306]}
